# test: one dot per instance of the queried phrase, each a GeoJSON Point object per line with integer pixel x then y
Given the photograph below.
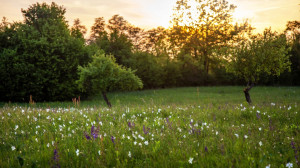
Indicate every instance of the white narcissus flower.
{"type": "Point", "coordinates": [260, 143]}
{"type": "Point", "coordinates": [129, 154]}
{"type": "Point", "coordinates": [77, 152]}
{"type": "Point", "coordinates": [191, 160]}
{"type": "Point", "coordinates": [13, 148]}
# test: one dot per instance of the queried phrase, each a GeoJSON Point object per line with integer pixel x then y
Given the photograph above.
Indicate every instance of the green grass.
{"type": "Point", "coordinates": [209, 126]}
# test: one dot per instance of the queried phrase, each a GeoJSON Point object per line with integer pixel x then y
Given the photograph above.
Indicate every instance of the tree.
{"type": "Point", "coordinates": [103, 74]}
{"type": "Point", "coordinates": [78, 30]}
{"type": "Point", "coordinates": [116, 40]}
{"type": "Point", "coordinates": [39, 56]}
{"type": "Point", "coordinates": [293, 34]}
{"type": "Point", "coordinates": [200, 29]}
{"type": "Point", "coordinates": [265, 53]}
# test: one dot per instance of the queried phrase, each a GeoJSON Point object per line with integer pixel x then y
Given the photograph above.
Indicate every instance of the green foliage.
{"type": "Point", "coordinates": [39, 56]}
{"type": "Point", "coordinates": [263, 54]}
{"type": "Point", "coordinates": [103, 74]}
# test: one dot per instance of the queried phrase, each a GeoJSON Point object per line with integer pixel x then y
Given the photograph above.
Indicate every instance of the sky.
{"type": "Point", "coordinates": [153, 13]}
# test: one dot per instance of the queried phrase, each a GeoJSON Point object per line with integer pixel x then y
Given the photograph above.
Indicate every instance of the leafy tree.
{"type": "Point", "coordinates": [200, 29]}
{"type": "Point", "coordinates": [98, 29]}
{"type": "Point", "coordinates": [293, 34]}
{"type": "Point", "coordinates": [265, 53]}
{"type": "Point", "coordinates": [103, 74]}
{"type": "Point", "coordinates": [116, 41]}
{"type": "Point", "coordinates": [39, 56]}
{"type": "Point", "coordinates": [78, 30]}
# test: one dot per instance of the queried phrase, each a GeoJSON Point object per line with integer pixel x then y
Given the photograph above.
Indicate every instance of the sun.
{"type": "Point", "coordinates": [240, 14]}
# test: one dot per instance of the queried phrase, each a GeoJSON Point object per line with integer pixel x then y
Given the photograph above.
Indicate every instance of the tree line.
{"type": "Point", "coordinates": [44, 57]}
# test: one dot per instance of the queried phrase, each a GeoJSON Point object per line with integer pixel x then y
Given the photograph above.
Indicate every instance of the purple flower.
{"type": "Point", "coordinates": [56, 159]}
{"type": "Point", "coordinates": [145, 131]}
{"type": "Point", "coordinates": [169, 123]}
{"type": "Point", "coordinates": [130, 125]}
{"type": "Point", "coordinates": [258, 115]}
{"type": "Point", "coordinates": [206, 150]}
{"type": "Point", "coordinates": [296, 152]}
{"type": "Point", "coordinates": [87, 136]}
{"type": "Point", "coordinates": [94, 132]}
{"type": "Point", "coordinates": [113, 139]}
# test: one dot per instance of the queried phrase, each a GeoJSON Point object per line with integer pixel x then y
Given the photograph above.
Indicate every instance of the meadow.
{"type": "Point", "coordinates": [178, 127]}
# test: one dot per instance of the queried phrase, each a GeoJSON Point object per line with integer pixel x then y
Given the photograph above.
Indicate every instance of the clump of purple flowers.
{"type": "Point", "coordinates": [146, 131]}
{"type": "Point", "coordinates": [194, 130]}
{"type": "Point", "coordinates": [131, 124]}
{"type": "Point", "coordinates": [113, 139]}
{"type": "Point", "coordinates": [56, 159]}
{"type": "Point", "coordinates": [296, 151]}
{"type": "Point", "coordinates": [206, 150]}
{"type": "Point", "coordinates": [94, 133]}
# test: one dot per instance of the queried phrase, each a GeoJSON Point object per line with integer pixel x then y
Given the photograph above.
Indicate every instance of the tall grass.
{"type": "Point", "coordinates": [180, 127]}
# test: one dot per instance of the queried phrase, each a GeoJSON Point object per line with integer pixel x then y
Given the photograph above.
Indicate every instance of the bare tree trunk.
{"type": "Point", "coordinates": [246, 91]}
{"type": "Point", "coordinates": [106, 99]}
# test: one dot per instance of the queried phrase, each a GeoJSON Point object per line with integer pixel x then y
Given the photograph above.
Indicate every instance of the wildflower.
{"type": "Point", "coordinates": [217, 132]}
{"type": "Point", "coordinates": [129, 154]}
{"type": "Point", "coordinates": [87, 136]}
{"type": "Point", "coordinates": [48, 145]}
{"type": "Point", "coordinates": [16, 127]}
{"type": "Point", "coordinates": [237, 135]}
{"type": "Point", "coordinates": [99, 152]}
{"type": "Point", "coordinates": [140, 144]}
{"type": "Point", "coordinates": [259, 129]}
{"type": "Point", "coordinates": [131, 124]}
{"type": "Point", "coordinates": [36, 140]}
{"type": "Point", "coordinates": [146, 142]}
{"type": "Point", "coordinates": [191, 160]}
{"type": "Point", "coordinates": [246, 136]}
{"type": "Point", "coordinates": [272, 104]}
{"type": "Point", "coordinates": [268, 166]}
{"type": "Point", "coordinates": [260, 143]}
{"type": "Point", "coordinates": [55, 158]}
{"type": "Point", "coordinates": [258, 115]}
{"type": "Point", "coordinates": [206, 150]}
{"type": "Point", "coordinates": [13, 148]}
{"type": "Point", "coordinates": [145, 131]}
{"type": "Point", "coordinates": [94, 132]}
{"type": "Point", "coordinates": [113, 139]}
{"type": "Point", "coordinates": [77, 152]}
{"type": "Point", "coordinates": [134, 142]}
{"type": "Point", "coordinates": [289, 165]}
{"type": "Point", "coordinates": [179, 129]}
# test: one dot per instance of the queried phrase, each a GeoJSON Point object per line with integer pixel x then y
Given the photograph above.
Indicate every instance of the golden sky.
{"type": "Point", "coordinates": [153, 13]}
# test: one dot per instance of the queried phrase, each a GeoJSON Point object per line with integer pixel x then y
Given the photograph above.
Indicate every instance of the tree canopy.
{"type": "Point", "coordinates": [38, 57]}
{"type": "Point", "coordinates": [103, 74]}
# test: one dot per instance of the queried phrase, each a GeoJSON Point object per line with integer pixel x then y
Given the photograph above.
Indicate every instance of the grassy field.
{"type": "Point", "coordinates": [179, 127]}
